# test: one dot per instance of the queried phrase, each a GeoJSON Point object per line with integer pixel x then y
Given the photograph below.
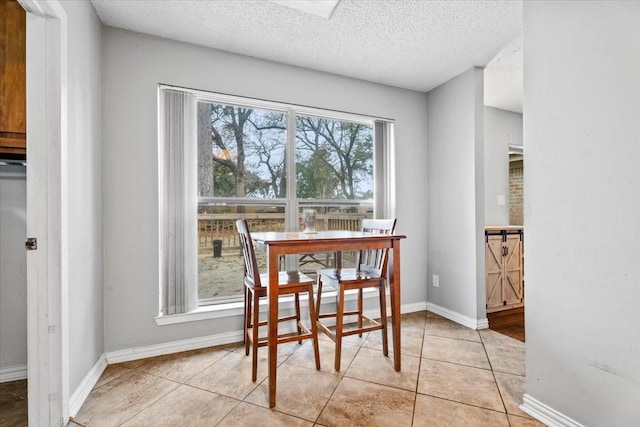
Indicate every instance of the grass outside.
{"type": "Point", "coordinates": [222, 276]}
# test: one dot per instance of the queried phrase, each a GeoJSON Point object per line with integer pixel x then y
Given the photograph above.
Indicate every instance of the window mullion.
{"type": "Point", "coordinates": [291, 209]}
{"type": "Point", "coordinates": [291, 223]}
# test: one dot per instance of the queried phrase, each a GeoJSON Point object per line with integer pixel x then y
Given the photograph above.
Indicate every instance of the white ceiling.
{"type": "Point", "coordinates": [414, 45]}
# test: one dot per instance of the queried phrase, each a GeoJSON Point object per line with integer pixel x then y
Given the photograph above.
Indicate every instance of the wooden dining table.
{"type": "Point", "coordinates": [287, 243]}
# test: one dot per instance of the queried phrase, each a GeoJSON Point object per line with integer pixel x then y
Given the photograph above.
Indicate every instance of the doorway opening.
{"type": "Point", "coordinates": [13, 216]}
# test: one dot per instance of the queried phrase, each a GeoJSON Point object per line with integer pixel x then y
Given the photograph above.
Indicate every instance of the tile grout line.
{"type": "Point", "coordinates": [140, 369]}
{"type": "Point", "coordinates": [495, 380]}
{"type": "Point", "coordinates": [113, 379]}
{"type": "Point", "coordinates": [152, 403]}
{"type": "Point", "coordinates": [415, 397]}
{"type": "Point", "coordinates": [238, 403]}
{"type": "Point", "coordinates": [341, 377]}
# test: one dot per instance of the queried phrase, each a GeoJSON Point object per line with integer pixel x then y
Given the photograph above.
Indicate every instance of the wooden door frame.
{"type": "Point", "coordinates": [47, 267]}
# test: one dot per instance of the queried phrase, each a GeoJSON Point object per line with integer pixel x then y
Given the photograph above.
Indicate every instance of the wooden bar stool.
{"type": "Point", "coordinates": [370, 272]}
{"type": "Point", "coordinates": [289, 283]}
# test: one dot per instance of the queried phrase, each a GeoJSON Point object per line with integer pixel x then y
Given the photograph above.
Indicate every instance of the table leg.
{"type": "Point", "coordinates": [272, 263]}
{"type": "Point", "coordinates": [394, 285]}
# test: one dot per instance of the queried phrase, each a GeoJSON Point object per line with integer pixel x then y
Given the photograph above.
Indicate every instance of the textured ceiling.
{"type": "Point", "coordinates": [503, 78]}
{"type": "Point", "coordinates": [408, 44]}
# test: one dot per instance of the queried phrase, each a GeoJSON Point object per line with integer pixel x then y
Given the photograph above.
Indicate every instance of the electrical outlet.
{"type": "Point", "coordinates": [436, 281]}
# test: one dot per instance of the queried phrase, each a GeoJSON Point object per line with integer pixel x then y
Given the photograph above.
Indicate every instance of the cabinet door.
{"type": "Point", "coordinates": [512, 270]}
{"type": "Point", "coordinates": [13, 104]}
{"type": "Point", "coordinates": [494, 271]}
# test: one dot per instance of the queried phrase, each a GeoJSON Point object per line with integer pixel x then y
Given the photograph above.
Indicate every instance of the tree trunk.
{"type": "Point", "coordinates": [205, 150]}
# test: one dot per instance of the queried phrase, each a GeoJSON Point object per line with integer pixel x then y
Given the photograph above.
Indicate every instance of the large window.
{"type": "Point", "coordinates": [265, 162]}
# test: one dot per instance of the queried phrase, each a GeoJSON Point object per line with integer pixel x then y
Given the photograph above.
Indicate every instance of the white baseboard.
{"type": "Point", "coordinates": [483, 324]}
{"type": "Point", "coordinates": [546, 414]}
{"type": "Point", "coordinates": [13, 373]}
{"type": "Point", "coordinates": [412, 308]}
{"type": "Point", "coordinates": [89, 381]}
{"type": "Point", "coordinates": [469, 322]}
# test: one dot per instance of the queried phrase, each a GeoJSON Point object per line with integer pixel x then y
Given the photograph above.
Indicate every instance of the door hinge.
{"type": "Point", "coordinates": [31, 244]}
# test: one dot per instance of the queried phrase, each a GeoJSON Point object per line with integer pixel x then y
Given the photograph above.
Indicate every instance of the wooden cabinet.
{"type": "Point", "coordinates": [504, 268]}
{"type": "Point", "coordinates": [13, 81]}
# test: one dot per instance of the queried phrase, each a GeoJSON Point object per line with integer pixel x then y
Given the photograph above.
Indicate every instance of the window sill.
{"type": "Point", "coordinates": [207, 312]}
{"type": "Point", "coordinates": [236, 309]}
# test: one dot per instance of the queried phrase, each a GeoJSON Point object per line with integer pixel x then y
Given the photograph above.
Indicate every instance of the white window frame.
{"type": "Point", "coordinates": [383, 204]}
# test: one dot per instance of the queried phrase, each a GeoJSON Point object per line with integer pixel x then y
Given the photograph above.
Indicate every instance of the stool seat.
{"type": "Point", "coordinates": [348, 274]}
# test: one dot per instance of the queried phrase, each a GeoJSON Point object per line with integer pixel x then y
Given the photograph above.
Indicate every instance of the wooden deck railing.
{"type": "Point", "coordinates": [223, 226]}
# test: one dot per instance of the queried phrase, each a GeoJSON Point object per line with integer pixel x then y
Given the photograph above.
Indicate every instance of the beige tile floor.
{"type": "Point", "coordinates": [451, 376]}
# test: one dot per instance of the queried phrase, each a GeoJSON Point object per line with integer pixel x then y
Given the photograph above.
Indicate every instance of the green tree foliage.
{"type": "Point", "coordinates": [340, 155]}
{"type": "Point", "coordinates": [315, 177]}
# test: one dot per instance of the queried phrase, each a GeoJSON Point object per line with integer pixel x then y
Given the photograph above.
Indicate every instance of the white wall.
{"type": "Point", "coordinates": [501, 128]}
{"type": "Point", "coordinates": [582, 209]}
{"type": "Point", "coordinates": [455, 169]}
{"type": "Point", "coordinates": [84, 168]}
{"type": "Point", "coordinates": [133, 66]}
{"type": "Point", "coordinates": [13, 271]}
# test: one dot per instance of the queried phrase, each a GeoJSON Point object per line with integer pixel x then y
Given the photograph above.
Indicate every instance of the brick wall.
{"type": "Point", "coordinates": [516, 192]}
